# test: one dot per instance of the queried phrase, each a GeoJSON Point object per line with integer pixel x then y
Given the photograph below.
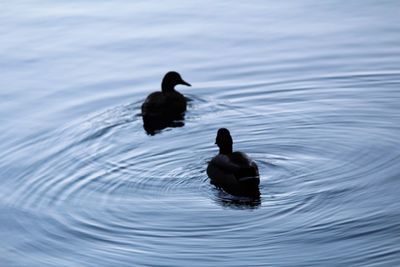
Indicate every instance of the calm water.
{"type": "Point", "coordinates": [310, 90]}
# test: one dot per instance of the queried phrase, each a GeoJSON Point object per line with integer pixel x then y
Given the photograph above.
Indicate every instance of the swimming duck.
{"type": "Point", "coordinates": [232, 171]}
{"type": "Point", "coordinates": [166, 108]}
{"type": "Point", "coordinates": [168, 100]}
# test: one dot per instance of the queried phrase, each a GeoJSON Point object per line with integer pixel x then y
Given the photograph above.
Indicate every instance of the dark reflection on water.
{"type": "Point", "coordinates": [154, 124]}
{"type": "Point", "coordinates": [236, 202]}
{"type": "Point", "coordinates": [310, 89]}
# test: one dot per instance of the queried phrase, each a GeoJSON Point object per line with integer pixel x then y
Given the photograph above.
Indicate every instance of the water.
{"type": "Point", "coordinates": [310, 90]}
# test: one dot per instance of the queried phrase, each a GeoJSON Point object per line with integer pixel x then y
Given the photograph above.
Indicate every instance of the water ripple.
{"type": "Point", "coordinates": [314, 102]}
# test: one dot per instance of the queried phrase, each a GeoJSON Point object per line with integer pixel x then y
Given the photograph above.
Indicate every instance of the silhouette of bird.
{"type": "Point", "coordinates": [232, 171]}
{"type": "Point", "coordinates": [168, 100]}
{"type": "Point", "coordinates": [163, 109]}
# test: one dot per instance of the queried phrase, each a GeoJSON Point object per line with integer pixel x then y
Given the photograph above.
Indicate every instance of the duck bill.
{"type": "Point", "coordinates": [185, 83]}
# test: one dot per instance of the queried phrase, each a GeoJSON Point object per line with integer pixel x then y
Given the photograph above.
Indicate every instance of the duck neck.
{"type": "Point", "coordinates": [167, 87]}
{"type": "Point", "coordinates": [225, 149]}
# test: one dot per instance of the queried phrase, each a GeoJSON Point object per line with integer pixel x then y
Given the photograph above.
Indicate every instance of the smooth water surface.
{"type": "Point", "coordinates": [309, 89]}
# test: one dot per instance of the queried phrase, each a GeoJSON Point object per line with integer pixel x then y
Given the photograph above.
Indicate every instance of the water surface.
{"type": "Point", "coordinates": [310, 90]}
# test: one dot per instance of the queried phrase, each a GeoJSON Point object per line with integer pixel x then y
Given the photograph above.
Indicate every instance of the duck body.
{"type": "Point", "coordinates": [159, 103]}
{"type": "Point", "coordinates": [165, 108]}
{"type": "Point", "coordinates": [235, 172]}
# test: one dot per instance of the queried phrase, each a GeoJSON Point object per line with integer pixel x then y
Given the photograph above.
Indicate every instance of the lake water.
{"type": "Point", "coordinates": [309, 89]}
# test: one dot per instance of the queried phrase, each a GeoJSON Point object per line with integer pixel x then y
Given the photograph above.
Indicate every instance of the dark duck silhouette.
{"type": "Point", "coordinates": [232, 171]}
{"type": "Point", "coordinates": [166, 108]}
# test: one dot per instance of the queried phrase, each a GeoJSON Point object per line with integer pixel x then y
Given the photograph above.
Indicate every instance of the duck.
{"type": "Point", "coordinates": [168, 100]}
{"type": "Point", "coordinates": [165, 108]}
{"type": "Point", "coordinates": [234, 172]}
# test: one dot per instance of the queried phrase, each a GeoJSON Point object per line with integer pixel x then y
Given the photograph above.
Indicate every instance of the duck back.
{"type": "Point", "coordinates": [235, 173]}
{"type": "Point", "coordinates": [248, 168]}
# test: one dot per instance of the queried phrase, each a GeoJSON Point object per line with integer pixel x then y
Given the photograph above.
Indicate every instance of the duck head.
{"type": "Point", "coordinates": [171, 79]}
{"type": "Point", "coordinates": [224, 141]}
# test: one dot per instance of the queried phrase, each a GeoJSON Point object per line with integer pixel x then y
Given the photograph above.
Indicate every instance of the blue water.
{"type": "Point", "coordinates": [309, 89]}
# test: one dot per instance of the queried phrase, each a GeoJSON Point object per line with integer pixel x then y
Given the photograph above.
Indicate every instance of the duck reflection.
{"type": "Point", "coordinates": [228, 200]}
{"type": "Point", "coordinates": [166, 108]}
{"type": "Point", "coordinates": [153, 124]}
